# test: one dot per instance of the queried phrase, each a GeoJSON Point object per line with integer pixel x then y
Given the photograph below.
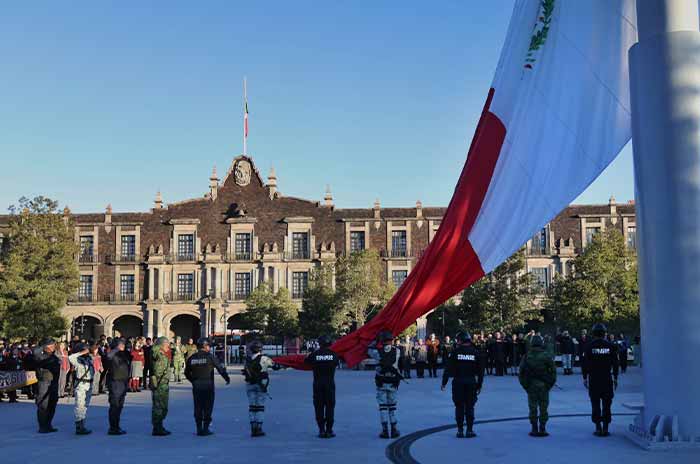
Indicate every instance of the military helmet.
{"type": "Point", "coordinates": [202, 342]}
{"type": "Point", "coordinates": [324, 341]}
{"type": "Point", "coordinates": [599, 330]}
{"type": "Point", "coordinates": [80, 347]}
{"type": "Point", "coordinates": [386, 336]}
{"type": "Point", "coordinates": [463, 337]}
{"type": "Point", "coordinates": [47, 342]}
{"type": "Point", "coordinates": [537, 341]}
{"type": "Point", "coordinates": [255, 346]}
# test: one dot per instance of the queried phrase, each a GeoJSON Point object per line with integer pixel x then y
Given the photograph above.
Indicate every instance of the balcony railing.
{"type": "Point", "coordinates": [182, 257]}
{"type": "Point", "coordinates": [122, 258]}
{"type": "Point", "coordinates": [242, 256]}
{"type": "Point", "coordinates": [82, 298]}
{"type": "Point", "coordinates": [179, 296]}
{"type": "Point", "coordinates": [297, 255]}
{"type": "Point", "coordinates": [87, 258]}
{"type": "Point", "coordinates": [120, 298]}
{"type": "Point", "coordinates": [396, 253]}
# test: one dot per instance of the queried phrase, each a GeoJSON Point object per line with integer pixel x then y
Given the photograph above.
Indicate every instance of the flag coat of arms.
{"type": "Point", "coordinates": [557, 114]}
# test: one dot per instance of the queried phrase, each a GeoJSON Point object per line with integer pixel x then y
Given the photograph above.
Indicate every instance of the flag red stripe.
{"type": "Point", "coordinates": [449, 264]}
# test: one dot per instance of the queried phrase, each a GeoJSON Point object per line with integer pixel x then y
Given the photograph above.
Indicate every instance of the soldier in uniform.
{"type": "Point", "coordinates": [48, 370]}
{"type": "Point", "coordinates": [119, 366]}
{"type": "Point", "coordinates": [199, 370]}
{"type": "Point", "coordinates": [324, 361]}
{"type": "Point", "coordinates": [387, 379]}
{"type": "Point", "coordinates": [538, 374]}
{"type": "Point", "coordinates": [257, 377]}
{"type": "Point", "coordinates": [160, 385]}
{"type": "Point", "coordinates": [600, 360]}
{"type": "Point", "coordinates": [465, 364]}
{"type": "Point", "coordinates": [84, 374]}
{"type": "Point", "coordinates": [178, 355]}
{"type": "Point", "coordinates": [190, 349]}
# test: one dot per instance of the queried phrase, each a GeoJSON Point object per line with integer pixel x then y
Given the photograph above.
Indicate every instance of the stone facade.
{"type": "Point", "coordinates": [187, 266]}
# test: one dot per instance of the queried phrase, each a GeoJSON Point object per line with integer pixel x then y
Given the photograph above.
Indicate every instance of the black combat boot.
{"type": "Point", "coordinates": [329, 430]}
{"type": "Point", "coordinates": [116, 431]}
{"type": "Point", "coordinates": [385, 430]}
{"type": "Point", "coordinates": [258, 430]}
{"type": "Point", "coordinates": [159, 430]}
{"type": "Point", "coordinates": [394, 431]}
{"type": "Point", "coordinates": [605, 432]}
{"type": "Point", "coordinates": [253, 429]}
{"type": "Point", "coordinates": [470, 429]}
{"type": "Point", "coordinates": [80, 428]}
{"type": "Point", "coordinates": [534, 431]}
{"type": "Point", "coordinates": [199, 428]}
{"type": "Point", "coordinates": [460, 430]}
{"type": "Point", "coordinates": [205, 429]}
{"type": "Point", "coordinates": [543, 430]}
{"type": "Point", "coordinates": [598, 430]}
{"type": "Point", "coordinates": [322, 431]}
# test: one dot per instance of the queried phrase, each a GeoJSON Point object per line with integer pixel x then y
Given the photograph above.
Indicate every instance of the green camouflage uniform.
{"type": "Point", "coordinates": [538, 375]}
{"type": "Point", "coordinates": [160, 382]}
{"type": "Point", "coordinates": [178, 361]}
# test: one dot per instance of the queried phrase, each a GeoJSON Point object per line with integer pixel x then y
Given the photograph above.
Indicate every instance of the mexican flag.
{"type": "Point", "coordinates": [557, 113]}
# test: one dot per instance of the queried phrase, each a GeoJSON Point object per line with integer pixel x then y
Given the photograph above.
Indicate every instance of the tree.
{"type": "Point", "coordinates": [38, 270]}
{"type": "Point", "coordinates": [320, 310]}
{"type": "Point", "coordinates": [602, 288]}
{"type": "Point", "coordinates": [271, 313]}
{"type": "Point", "coordinates": [360, 286]}
{"type": "Point", "coordinates": [503, 299]}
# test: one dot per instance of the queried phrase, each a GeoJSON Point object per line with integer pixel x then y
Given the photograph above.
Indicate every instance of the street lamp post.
{"type": "Point", "coordinates": [225, 321]}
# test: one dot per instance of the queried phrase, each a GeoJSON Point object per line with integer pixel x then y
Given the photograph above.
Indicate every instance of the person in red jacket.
{"type": "Point", "coordinates": [137, 361]}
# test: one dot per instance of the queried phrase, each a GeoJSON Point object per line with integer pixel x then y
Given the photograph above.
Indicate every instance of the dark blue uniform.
{"type": "Point", "coordinates": [199, 369]}
{"type": "Point", "coordinates": [466, 367]}
{"type": "Point", "coordinates": [48, 369]}
{"type": "Point", "coordinates": [324, 362]}
{"type": "Point", "coordinates": [600, 367]}
{"type": "Point", "coordinates": [119, 365]}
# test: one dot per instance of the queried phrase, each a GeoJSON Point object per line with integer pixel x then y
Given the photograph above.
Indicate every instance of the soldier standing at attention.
{"type": "Point", "coordinates": [324, 362]}
{"type": "Point", "coordinates": [84, 373]}
{"type": "Point", "coordinates": [178, 355]}
{"type": "Point", "coordinates": [199, 370]}
{"type": "Point", "coordinates": [190, 349]}
{"type": "Point", "coordinates": [160, 385]}
{"type": "Point", "coordinates": [119, 365]}
{"type": "Point", "coordinates": [600, 360]}
{"type": "Point", "coordinates": [538, 374]}
{"type": "Point", "coordinates": [465, 365]}
{"type": "Point", "coordinates": [257, 377]}
{"type": "Point", "coordinates": [48, 370]}
{"type": "Point", "coordinates": [387, 379]}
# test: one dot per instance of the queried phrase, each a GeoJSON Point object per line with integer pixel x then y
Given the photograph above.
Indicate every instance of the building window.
{"type": "Point", "coordinates": [398, 243]}
{"type": "Point", "coordinates": [541, 275]}
{"type": "Point", "coordinates": [185, 286]}
{"type": "Point", "coordinates": [539, 242]}
{"type": "Point", "coordinates": [87, 248]}
{"type": "Point", "coordinates": [357, 241]}
{"type": "Point", "coordinates": [590, 233]}
{"type": "Point", "coordinates": [85, 288]}
{"type": "Point", "coordinates": [300, 280]}
{"type": "Point", "coordinates": [128, 248]}
{"type": "Point", "coordinates": [242, 285]}
{"type": "Point", "coordinates": [300, 245]}
{"type": "Point", "coordinates": [243, 246]}
{"type": "Point", "coordinates": [126, 287]}
{"type": "Point", "coordinates": [185, 247]}
{"type": "Point", "coordinates": [398, 277]}
{"type": "Point", "coordinates": [632, 237]}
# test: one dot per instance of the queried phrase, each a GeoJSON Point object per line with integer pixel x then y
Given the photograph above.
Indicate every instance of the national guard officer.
{"type": "Point", "coordinates": [324, 361]}
{"type": "Point", "coordinates": [82, 386]}
{"type": "Point", "coordinates": [257, 377]}
{"type": "Point", "coordinates": [48, 370]}
{"type": "Point", "coordinates": [199, 369]}
{"type": "Point", "coordinates": [387, 379]}
{"type": "Point", "coordinates": [599, 361]}
{"type": "Point", "coordinates": [160, 385]}
{"type": "Point", "coordinates": [465, 364]}
{"type": "Point", "coordinates": [538, 374]}
{"type": "Point", "coordinates": [119, 366]}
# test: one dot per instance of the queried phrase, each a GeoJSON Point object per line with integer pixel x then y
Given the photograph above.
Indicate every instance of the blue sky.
{"type": "Point", "coordinates": [107, 102]}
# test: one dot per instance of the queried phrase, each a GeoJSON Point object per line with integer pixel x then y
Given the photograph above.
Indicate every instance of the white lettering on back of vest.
{"type": "Point", "coordinates": [466, 357]}
{"type": "Point", "coordinates": [600, 350]}
{"type": "Point", "coordinates": [199, 361]}
{"type": "Point", "coordinates": [324, 357]}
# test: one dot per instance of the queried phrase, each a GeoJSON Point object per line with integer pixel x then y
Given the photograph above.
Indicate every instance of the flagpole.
{"type": "Point", "coordinates": [245, 118]}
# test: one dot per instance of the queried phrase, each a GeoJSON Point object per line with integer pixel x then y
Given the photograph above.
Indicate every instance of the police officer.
{"type": "Point", "coordinates": [48, 369]}
{"type": "Point", "coordinates": [119, 366]}
{"type": "Point", "coordinates": [387, 379]}
{"type": "Point", "coordinates": [199, 370]}
{"type": "Point", "coordinates": [600, 360]}
{"type": "Point", "coordinates": [82, 386]}
{"type": "Point", "coordinates": [465, 365]}
{"type": "Point", "coordinates": [324, 361]}
{"type": "Point", "coordinates": [538, 374]}
{"type": "Point", "coordinates": [257, 377]}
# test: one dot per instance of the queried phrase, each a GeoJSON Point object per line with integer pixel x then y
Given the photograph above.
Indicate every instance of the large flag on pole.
{"type": "Point", "coordinates": [557, 113]}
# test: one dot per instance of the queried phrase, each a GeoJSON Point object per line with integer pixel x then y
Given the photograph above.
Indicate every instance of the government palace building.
{"type": "Point", "coordinates": [187, 267]}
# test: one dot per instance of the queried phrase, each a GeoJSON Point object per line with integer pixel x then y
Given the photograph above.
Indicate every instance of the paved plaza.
{"type": "Point", "coordinates": [291, 431]}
